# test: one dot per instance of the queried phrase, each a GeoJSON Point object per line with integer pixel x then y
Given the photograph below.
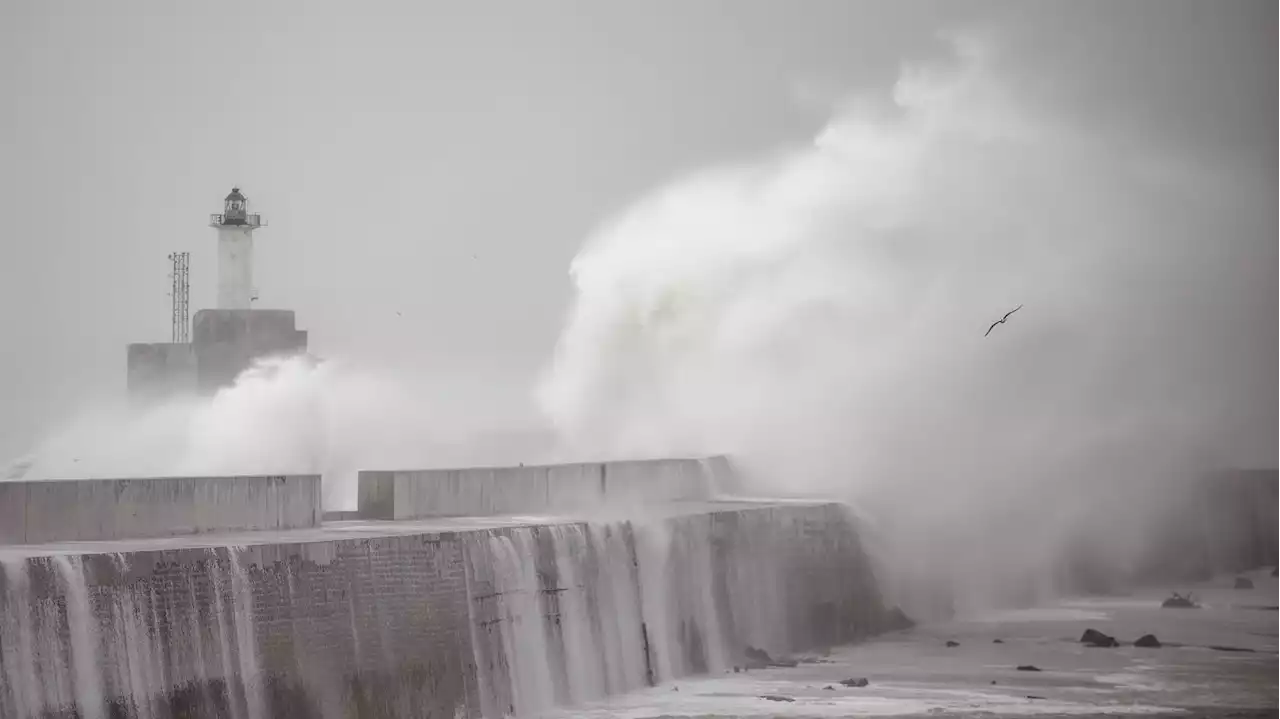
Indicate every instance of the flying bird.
{"type": "Point", "coordinates": [1002, 319]}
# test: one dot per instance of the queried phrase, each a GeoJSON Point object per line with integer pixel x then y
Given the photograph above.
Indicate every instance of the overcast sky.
{"type": "Point", "coordinates": [429, 169]}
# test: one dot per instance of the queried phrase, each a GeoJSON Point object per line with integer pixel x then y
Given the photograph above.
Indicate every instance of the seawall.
{"type": "Point", "coordinates": [35, 511]}
{"type": "Point", "coordinates": [482, 491]}
{"type": "Point", "coordinates": [464, 617]}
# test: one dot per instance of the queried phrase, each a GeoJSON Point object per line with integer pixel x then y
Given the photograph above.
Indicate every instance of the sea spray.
{"type": "Point", "coordinates": [290, 415]}
{"type": "Point", "coordinates": [820, 312]}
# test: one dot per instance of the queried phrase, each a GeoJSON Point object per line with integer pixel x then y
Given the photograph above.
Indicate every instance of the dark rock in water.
{"type": "Point", "coordinates": [896, 619]}
{"type": "Point", "coordinates": [1095, 638]}
{"type": "Point", "coordinates": [757, 658]}
{"type": "Point", "coordinates": [737, 670]}
{"type": "Point", "coordinates": [997, 641]}
{"type": "Point", "coordinates": [1147, 641]}
{"type": "Point", "coordinates": [1033, 696]}
{"type": "Point", "coordinates": [829, 688]}
{"type": "Point", "coordinates": [952, 643]}
{"type": "Point", "coordinates": [858, 682]}
{"type": "Point", "coordinates": [993, 682]}
{"type": "Point", "coordinates": [785, 664]}
{"type": "Point", "coordinates": [1028, 668]}
{"type": "Point", "coordinates": [1221, 648]}
{"type": "Point", "coordinates": [1244, 583]}
{"type": "Point", "coordinates": [1177, 601]}
{"type": "Point", "coordinates": [776, 698]}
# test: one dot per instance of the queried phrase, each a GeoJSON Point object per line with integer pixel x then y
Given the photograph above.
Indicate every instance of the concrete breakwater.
{"type": "Point", "coordinates": [476, 617]}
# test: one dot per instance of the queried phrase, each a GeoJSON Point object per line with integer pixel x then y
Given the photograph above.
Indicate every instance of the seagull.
{"type": "Point", "coordinates": [1002, 319]}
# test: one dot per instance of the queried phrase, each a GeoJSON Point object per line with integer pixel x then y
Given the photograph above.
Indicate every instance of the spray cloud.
{"type": "Point", "coordinates": [290, 415]}
{"type": "Point", "coordinates": [820, 312]}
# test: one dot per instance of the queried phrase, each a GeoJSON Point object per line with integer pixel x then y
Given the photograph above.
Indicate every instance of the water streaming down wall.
{"type": "Point", "coordinates": [483, 622]}
{"type": "Point", "coordinates": [72, 648]}
{"type": "Point", "coordinates": [575, 612]}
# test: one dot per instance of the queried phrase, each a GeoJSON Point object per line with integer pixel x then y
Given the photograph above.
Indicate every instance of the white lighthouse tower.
{"type": "Point", "coordinates": [235, 251]}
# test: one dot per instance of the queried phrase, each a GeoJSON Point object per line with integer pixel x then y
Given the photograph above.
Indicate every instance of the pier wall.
{"type": "Point", "coordinates": [476, 622]}
{"type": "Point", "coordinates": [485, 491]}
{"type": "Point", "coordinates": [38, 511]}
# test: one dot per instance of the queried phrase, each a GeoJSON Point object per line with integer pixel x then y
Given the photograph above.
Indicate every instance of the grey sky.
{"type": "Point", "coordinates": [446, 160]}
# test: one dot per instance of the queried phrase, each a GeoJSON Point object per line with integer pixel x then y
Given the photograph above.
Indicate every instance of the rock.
{"type": "Point", "coordinates": [1028, 668]}
{"type": "Point", "coordinates": [997, 641]}
{"type": "Point", "coordinates": [1244, 583]}
{"type": "Point", "coordinates": [993, 682]}
{"type": "Point", "coordinates": [1033, 696]}
{"type": "Point", "coordinates": [757, 658]}
{"type": "Point", "coordinates": [785, 664]}
{"type": "Point", "coordinates": [776, 698]}
{"type": "Point", "coordinates": [1222, 648]}
{"type": "Point", "coordinates": [896, 619]}
{"type": "Point", "coordinates": [1177, 601]}
{"type": "Point", "coordinates": [1147, 641]}
{"type": "Point", "coordinates": [952, 644]}
{"type": "Point", "coordinates": [1095, 638]}
{"type": "Point", "coordinates": [737, 670]}
{"type": "Point", "coordinates": [858, 682]}
{"type": "Point", "coordinates": [829, 688]}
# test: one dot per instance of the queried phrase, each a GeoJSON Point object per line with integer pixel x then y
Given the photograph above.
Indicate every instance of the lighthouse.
{"type": "Point", "coordinates": [224, 341]}
{"type": "Point", "coordinates": [235, 251]}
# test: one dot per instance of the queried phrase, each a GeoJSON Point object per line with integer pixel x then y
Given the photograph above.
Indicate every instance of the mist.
{"type": "Point", "coordinates": [293, 415]}
{"type": "Point", "coordinates": [819, 313]}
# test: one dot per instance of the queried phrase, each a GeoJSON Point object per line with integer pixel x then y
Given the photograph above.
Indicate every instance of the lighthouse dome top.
{"type": "Point", "coordinates": [235, 212]}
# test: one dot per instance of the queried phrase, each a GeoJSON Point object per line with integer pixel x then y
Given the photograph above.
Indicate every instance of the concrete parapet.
{"type": "Point", "coordinates": [39, 511]}
{"type": "Point", "coordinates": [412, 494]}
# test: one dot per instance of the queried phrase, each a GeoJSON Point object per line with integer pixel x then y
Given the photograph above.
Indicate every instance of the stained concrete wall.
{"type": "Point", "coordinates": [487, 491]}
{"type": "Point", "coordinates": [422, 625]}
{"type": "Point", "coordinates": [160, 368]}
{"type": "Point", "coordinates": [36, 511]}
{"type": "Point", "coordinates": [228, 341]}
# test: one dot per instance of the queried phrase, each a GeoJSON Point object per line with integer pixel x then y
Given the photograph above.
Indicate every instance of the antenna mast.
{"type": "Point", "coordinates": [181, 288]}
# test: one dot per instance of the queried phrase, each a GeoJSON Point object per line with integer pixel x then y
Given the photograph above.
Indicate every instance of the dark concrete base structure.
{"type": "Point", "coordinates": [224, 344]}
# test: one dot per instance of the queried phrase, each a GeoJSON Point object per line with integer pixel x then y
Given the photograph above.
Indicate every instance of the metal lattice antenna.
{"type": "Point", "coordinates": [181, 289]}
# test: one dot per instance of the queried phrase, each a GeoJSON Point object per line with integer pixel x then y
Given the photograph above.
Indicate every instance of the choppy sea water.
{"type": "Point", "coordinates": [915, 673]}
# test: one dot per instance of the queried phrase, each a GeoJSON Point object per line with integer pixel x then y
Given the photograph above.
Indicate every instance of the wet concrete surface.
{"type": "Point", "coordinates": [370, 528]}
{"type": "Point", "coordinates": [915, 673]}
